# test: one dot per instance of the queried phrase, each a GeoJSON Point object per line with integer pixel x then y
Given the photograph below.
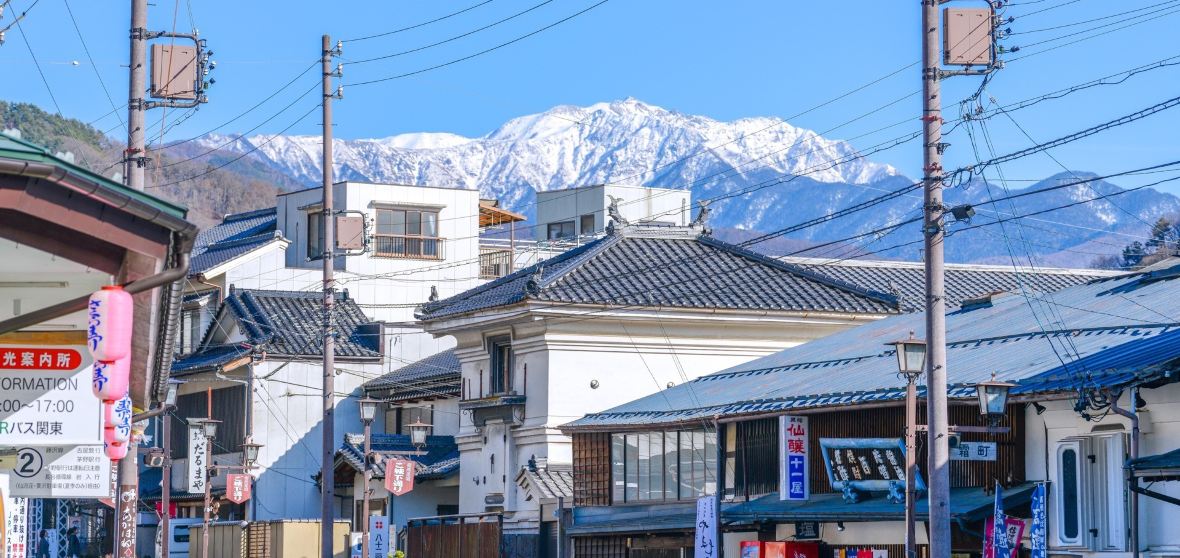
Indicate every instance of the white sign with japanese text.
{"type": "Point", "coordinates": [705, 542]}
{"type": "Point", "coordinates": [16, 527]}
{"type": "Point", "coordinates": [45, 396]}
{"type": "Point", "coordinates": [61, 472]}
{"type": "Point", "coordinates": [378, 535]}
{"type": "Point", "coordinates": [974, 451]}
{"type": "Point", "coordinates": [794, 477]}
{"type": "Point", "coordinates": [198, 469]}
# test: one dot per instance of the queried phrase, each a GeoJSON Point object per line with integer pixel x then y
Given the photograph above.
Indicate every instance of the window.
{"type": "Point", "coordinates": [190, 330]}
{"type": "Point", "coordinates": [409, 415]}
{"type": "Point", "coordinates": [315, 235]}
{"type": "Point", "coordinates": [408, 233]}
{"type": "Point", "coordinates": [649, 466]}
{"type": "Point", "coordinates": [586, 225]}
{"type": "Point", "coordinates": [500, 349]}
{"type": "Point", "coordinates": [1091, 501]}
{"type": "Point", "coordinates": [556, 231]}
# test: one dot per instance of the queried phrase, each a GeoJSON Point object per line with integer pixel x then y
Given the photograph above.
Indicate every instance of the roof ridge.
{"type": "Point", "coordinates": [833, 282]}
{"type": "Point", "coordinates": [598, 247]}
{"type": "Point", "coordinates": [249, 214]}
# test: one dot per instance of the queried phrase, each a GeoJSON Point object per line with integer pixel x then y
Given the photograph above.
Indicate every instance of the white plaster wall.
{"type": "Point", "coordinates": [1161, 433]}
{"type": "Point", "coordinates": [638, 204]}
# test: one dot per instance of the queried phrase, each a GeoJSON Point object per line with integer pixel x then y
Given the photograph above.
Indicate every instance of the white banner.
{"type": "Point", "coordinates": [15, 514]}
{"type": "Point", "coordinates": [974, 451]}
{"type": "Point", "coordinates": [706, 533]}
{"type": "Point", "coordinates": [378, 535]}
{"type": "Point", "coordinates": [794, 477]}
{"type": "Point", "coordinates": [45, 396]}
{"type": "Point", "coordinates": [61, 472]}
{"type": "Point", "coordinates": [198, 469]}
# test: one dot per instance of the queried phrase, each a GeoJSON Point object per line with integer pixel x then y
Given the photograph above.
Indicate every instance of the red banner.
{"type": "Point", "coordinates": [237, 487]}
{"type": "Point", "coordinates": [39, 358]}
{"type": "Point", "coordinates": [399, 476]}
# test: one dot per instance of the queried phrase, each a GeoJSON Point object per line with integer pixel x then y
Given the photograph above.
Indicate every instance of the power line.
{"type": "Point", "coordinates": [1083, 22]}
{"type": "Point", "coordinates": [93, 66]}
{"type": "Point", "coordinates": [480, 53]}
{"type": "Point", "coordinates": [417, 25]}
{"type": "Point", "coordinates": [24, 37]}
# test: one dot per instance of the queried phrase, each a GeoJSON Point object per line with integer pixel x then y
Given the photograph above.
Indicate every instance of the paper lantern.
{"type": "Point", "coordinates": [117, 420]}
{"type": "Point", "coordinates": [116, 452]}
{"type": "Point", "coordinates": [109, 316]}
{"type": "Point", "coordinates": [111, 380]}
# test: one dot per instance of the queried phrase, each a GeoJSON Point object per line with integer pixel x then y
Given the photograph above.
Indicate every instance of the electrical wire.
{"type": "Point", "coordinates": [417, 25]}
{"type": "Point", "coordinates": [25, 38]}
{"type": "Point", "coordinates": [93, 66]}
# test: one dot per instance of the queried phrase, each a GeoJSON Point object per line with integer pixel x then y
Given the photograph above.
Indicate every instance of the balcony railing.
{"type": "Point", "coordinates": [408, 246]}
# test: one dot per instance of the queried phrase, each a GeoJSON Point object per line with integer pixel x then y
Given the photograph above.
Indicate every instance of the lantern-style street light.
{"type": "Point", "coordinates": [368, 414]}
{"type": "Point", "coordinates": [911, 362]}
{"type": "Point", "coordinates": [418, 432]}
{"type": "Point", "coordinates": [993, 398]}
{"type": "Point", "coordinates": [250, 450]}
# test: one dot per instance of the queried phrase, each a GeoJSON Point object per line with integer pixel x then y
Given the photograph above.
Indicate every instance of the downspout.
{"type": "Point", "coordinates": [1132, 480]}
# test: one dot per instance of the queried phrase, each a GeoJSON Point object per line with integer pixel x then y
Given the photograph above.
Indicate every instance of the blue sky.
{"type": "Point", "coordinates": [724, 60]}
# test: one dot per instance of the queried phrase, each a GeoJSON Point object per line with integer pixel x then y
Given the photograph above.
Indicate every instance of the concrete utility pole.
{"type": "Point", "coordinates": [166, 486]}
{"type": "Point", "coordinates": [133, 167]}
{"type": "Point", "coordinates": [938, 468]}
{"type": "Point", "coordinates": [327, 480]}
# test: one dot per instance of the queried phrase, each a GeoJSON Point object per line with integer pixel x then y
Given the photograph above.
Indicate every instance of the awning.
{"type": "Point", "coordinates": [655, 518]}
{"type": "Point", "coordinates": [1164, 466]}
{"type": "Point", "coordinates": [967, 504]}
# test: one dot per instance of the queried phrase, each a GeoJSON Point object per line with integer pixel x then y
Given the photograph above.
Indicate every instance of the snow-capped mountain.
{"type": "Point", "coordinates": [625, 142]}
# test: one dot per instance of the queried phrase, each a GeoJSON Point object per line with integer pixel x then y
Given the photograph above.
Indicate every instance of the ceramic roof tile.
{"type": "Point", "coordinates": [434, 376]}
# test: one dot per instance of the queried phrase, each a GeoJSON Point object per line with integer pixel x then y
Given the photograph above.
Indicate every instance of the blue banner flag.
{"type": "Point", "coordinates": [1000, 527]}
{"type": "Point", "coordinates": [1038, 534]}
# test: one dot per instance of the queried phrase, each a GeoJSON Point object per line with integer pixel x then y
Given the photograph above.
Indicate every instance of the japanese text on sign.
{"type": "Point", "coordinates": [44, 397]}
{"type": "Point", "coordinates": [197, 468]}
{"type": "Point", "coordinates": [399, 476]}
{"type": "Point", "coordinates": [793, 475]}
{"type": "Point", "coordinates": [705, 542]}
{"type": "Point", "coordinates": [974, 451]}
{"type": "Point", "coordinates": [237, 487]}
{"type": "Point", "coordinates": [61, 472]}
{"type": "Point", "coordinates": [378, 535]}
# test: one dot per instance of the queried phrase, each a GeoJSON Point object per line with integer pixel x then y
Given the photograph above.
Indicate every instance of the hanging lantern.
{"type": "Point", "coordinates": [117, 420]}
{"type": "Point", "coordinates": [109, 317]}
{"type": "Point", "coordinates": [116, 452]}
{"type": "Point", "coordinates": [111, 380]}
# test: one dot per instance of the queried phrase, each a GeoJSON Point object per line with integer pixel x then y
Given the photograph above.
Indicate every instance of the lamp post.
{"type": "Point", "coordinates": [911, 361]}
{"type": "Point", "coordinates": [209, 429]}
{"type": "Point", "coordinates": [418, 432]}
{"type": "Point", "coordinates": [993, 399]}
{"type": "Point", "coordinates": [368, 413]}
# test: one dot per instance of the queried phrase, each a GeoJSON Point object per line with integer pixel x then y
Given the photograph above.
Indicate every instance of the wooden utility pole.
{"type": "Point", "coordinates": [938, 468]}
{"type": "Point", "coordinates": [327, 481]}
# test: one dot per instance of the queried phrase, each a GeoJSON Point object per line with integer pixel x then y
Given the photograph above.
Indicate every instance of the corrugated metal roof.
{"type": "Point", "coordinates": [966, 503]}
{"type": "Point", "coordinates": [1105, 332]}
{"type": "Point", "coordinates": [1169, 460]}
{"type": "Point", "coordinates": [667, 267]}
{"type": "Point", "coordinates": [440, 460]}
{"type": "Point", "coordinates": [437, 375]}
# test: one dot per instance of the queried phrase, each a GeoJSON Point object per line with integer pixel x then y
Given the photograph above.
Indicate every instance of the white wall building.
{"type": "Point", "coordinates": [582, 212]}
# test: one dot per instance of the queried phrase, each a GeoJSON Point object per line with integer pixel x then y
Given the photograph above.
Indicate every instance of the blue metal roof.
{"type": "Point", "coordinates": [969, 503]}
{"type": "Point", "coordinates": [437, 375]}
{"type": "Point", "coordinates": [1106, 332]}
{"type": "Point", "coordinates": [441, 457]}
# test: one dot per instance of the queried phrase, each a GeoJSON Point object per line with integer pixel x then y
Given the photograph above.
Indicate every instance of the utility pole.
{"type": "Point", "coordinates": [133, 157]}
{"type": "Point", "coordinates": [166, 487]}
{"type": "Point", "coordinates": [938, 467]}
{"type": "Point", "coordinates": [327, 480]}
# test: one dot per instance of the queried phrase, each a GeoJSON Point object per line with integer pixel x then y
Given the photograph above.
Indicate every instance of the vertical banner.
{"type": "Point", "coordinates": [706, 528]}
{"type": "Point", "coordinates": [793, 448]}
{"type": "Point", "coordinates": [197, 468]}
{"type": "Point", "coordinates": [378, 535]}
{"type": "Point", "coordinates": [237, 487]}
{"type": "Point", "coordinates": [15, 514]}
{"type": "Point", "coordinates": [1037, 535]}
{"type": "Point", "coordinates": [999, 537]}
{"type": "Point", "coordinates": [399, 476]}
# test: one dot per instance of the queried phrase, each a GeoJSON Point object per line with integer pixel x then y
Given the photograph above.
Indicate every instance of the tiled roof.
{"type": "Point", "coordinates": [963, 281]}
{"type": "Point", "coordinates": [236, 235]}
{"type": "Point", "coordinates": [289, 323]}
{"type": "Point", "coordinates": [547, 482]}
{"type": "Point", "coordinates": [667, 267]}
{"type": "Point", "coordinates": [1107, 332]}
{"type": "Point", "coordinates": [441, 457]}
{"type": "Point", "coordinates": [210, 357]}
{"type": "Point", "coordinates": [434, 376]}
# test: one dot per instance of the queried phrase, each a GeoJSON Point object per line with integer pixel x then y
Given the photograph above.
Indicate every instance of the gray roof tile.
{"type": "Point", "coordinates": [434, 376]}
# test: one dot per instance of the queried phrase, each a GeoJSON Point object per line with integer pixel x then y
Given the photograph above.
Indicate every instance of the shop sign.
{"type": "Point", "coordinates": [237, 487]}
{"type": "Point", "coordinates": [856, 465]}
{"type": "Point", "coordinates": [1037, 532]}
{"type": "Point", "coordinates": [705, 542]}
{"type": "Point", "coordinates": [806, 530]}
{"type": "Point", "coordinates": [378, 535]}
{"type": "Point", "coordinates": [399, 476]}
{"type": "Point", "coordinates": [45, 397]}
{"type": "Point", "coordinates": [974, 451]}
{"type": "Point", "coordinates": [15, 514]}
{"type": "Point", "coordinates": [61, 472]}
{"type": "Point", "coordinates": [198, 469]}
{"type": "Point", "coordinates": [793, 463]}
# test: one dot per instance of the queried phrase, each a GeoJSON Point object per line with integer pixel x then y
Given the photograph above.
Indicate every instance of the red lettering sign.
{"type": "Point", "coordinates": [34, 358]}
{"type": "Point", "coordinates": [399, 476]}
{"type": "Point", "coordinates": [237, 489]}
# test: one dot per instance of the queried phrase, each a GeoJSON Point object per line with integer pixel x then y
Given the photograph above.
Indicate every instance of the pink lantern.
{"type": "Point", "coordinates": [116, 452]}
{"type": "Point", "coordinates": [111, 380]}
{"type": "Point", "coordinates": [109, 317]}
{"type": "Point", "coordinates": [117, 420]}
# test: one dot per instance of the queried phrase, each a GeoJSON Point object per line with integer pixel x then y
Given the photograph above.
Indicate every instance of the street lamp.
{"type": "Point", "coordinates": [993, 398]}
{"type": "Point", "coordinates": [209, 429]}
{"type": "Point", "coordinates": [911, 362]}
{"type": "Point", "coordinates": [418, 431]}
{"type": "Point", "coordinates": [368, 413]}
{"type": "Point", "coordinates": [250, 450]}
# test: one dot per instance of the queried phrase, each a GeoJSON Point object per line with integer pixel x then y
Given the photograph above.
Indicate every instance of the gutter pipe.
{"type": "Point", "coordinates": [1131, 479]}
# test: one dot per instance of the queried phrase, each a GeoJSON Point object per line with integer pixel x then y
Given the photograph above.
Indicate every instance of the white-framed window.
{"type": "Point", "coordinates": [1090, 501]}
{"type": "Point", "coordinates": [408, 233]}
